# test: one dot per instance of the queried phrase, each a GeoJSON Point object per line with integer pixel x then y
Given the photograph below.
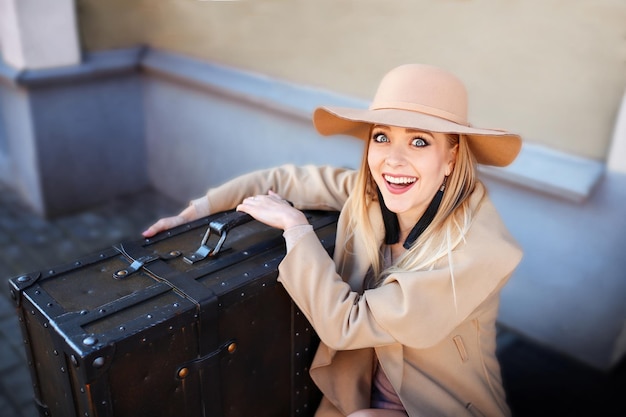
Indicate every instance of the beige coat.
{"type": "Point", "coordinates": [437, 353]}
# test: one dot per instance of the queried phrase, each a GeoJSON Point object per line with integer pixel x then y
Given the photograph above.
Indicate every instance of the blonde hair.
{"type": "Point", "coordinates": [447, 229]}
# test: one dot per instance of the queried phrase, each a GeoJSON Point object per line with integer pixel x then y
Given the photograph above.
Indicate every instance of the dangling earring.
{"type": "Point", "coordinates": [443, 185]}
{"type": "Point", "coordinates": [427, 217]}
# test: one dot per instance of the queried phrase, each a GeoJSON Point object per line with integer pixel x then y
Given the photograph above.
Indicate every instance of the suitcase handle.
{"type": "Point", "coordinates": [220, 226]}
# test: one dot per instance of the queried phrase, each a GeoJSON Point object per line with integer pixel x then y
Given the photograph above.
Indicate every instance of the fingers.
{"type": "Point", "coordinates": [271, 196]}
{"type": "Point", "coordinates": [163, 224]}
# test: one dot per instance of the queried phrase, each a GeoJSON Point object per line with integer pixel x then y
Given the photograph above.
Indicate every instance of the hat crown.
{"type": "Point", "coordinates": [424, 89]}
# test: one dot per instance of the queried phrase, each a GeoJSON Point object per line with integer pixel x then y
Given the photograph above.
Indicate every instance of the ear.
{"type": "Point", "coordinates": [453, 152]}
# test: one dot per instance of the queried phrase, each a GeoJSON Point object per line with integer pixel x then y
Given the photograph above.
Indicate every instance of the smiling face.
{"type": "Point", "coordinates": [409, 167]}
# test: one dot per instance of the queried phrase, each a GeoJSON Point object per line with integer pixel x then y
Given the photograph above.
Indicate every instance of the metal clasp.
{"type": "Point", "coordinates": [221, 225]}
{"type": "Point", "coordinates": [203, 251]}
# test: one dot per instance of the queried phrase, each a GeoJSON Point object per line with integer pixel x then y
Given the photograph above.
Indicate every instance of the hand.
{"type": "Point", "coordinates": [185, 216]}
{"type": "Point", "coordinates": [164, 224]}
{"type": "Point", "coordinates": [273, 210]}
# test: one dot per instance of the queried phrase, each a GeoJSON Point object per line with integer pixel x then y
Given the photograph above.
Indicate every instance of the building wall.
{"type": "Point", "coordinates": [552, 70]}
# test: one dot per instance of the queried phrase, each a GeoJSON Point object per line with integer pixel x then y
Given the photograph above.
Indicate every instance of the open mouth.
{"type": "Point", "coordinates": [399, 183]}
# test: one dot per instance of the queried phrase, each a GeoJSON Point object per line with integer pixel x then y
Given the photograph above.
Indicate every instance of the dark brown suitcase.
{"type": "Point", "coordinates": [189, 323]}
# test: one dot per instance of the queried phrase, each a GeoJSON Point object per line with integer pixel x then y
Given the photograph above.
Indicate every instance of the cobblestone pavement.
{"type": "Point", "coordinates": [29, 243]}
{"type": "Point", "coordinates": [539, 382]}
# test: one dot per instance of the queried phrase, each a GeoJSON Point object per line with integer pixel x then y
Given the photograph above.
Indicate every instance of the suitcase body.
{"type": "Point", "coordinates": [189, 323]}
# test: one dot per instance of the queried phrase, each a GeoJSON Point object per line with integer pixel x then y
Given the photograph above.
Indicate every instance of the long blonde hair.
{"type": "Point", "coordinates": [447, 229]}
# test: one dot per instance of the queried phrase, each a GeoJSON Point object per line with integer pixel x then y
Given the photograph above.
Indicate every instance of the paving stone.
{"type": "Point", "coordinates": [17, 382]}
{"type": "Point", "coordinates": [7, 308]}
{"type": "Point", "coordinates": [8, 409]}
{"type": "Point", "coordinates": [29, 410]}
{"type": "Point", "coordinates": [8, 357]}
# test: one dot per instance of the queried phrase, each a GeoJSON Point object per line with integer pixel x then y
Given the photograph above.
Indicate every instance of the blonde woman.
{"type": "Point", "coordinates": [406, 308]}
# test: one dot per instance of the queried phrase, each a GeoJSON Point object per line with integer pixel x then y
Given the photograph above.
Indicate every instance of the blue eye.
{"type": "Point", "coordinates": [380, 137]}
{"type": "Point", "coordinates": [419, 142]}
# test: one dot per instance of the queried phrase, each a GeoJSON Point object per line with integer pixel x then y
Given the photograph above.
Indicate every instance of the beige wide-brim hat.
{"type": "Point", "coordinates": [421, 97]}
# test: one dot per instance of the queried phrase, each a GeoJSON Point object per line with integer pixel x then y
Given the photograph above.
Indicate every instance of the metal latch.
{"type": "Point", "coordinates": [220, 226]}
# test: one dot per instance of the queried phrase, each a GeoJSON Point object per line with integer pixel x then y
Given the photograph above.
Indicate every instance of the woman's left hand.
{"type": "Point", "coordinates": [273, 210]}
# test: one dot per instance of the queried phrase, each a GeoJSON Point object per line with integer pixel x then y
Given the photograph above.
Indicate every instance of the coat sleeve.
{"type": "Point", "coordinates": [417, 308]}
{"type": "Point", "coordinates": [307, 187]}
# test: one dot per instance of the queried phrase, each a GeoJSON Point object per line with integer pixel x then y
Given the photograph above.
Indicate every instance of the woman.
{"type": "Point", "coordinates": [406, 309]}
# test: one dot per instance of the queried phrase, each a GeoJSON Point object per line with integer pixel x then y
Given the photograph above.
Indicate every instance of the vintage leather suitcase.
{"type": "Point", "coordinates": [189, 323]}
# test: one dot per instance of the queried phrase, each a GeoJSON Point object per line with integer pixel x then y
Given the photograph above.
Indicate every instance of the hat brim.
{"type": "Point", "coordinates": [489, 146]}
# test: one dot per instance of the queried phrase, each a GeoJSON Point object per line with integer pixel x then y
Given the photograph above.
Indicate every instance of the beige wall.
{"type": "Point", "coordinates": [552, 70]}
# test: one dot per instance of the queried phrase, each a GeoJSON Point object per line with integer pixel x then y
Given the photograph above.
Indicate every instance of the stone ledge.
{"type": "Point", "coordinates": [537, 167]}
{"type": "Point", "coordinates": [299, 100]}
{"type": "Point", "coordinates": [96, 64]}
{"type": "Point", "coordinates": [552, 172]}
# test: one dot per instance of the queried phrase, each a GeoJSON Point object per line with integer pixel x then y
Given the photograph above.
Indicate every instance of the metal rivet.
{"type": "Point", "coordinates": [24, 278]}
{"type": "Point", "coordinates": [51, 272]}
{"type": "Point", "coordinates": [149, 316]}
{"type": "Point", "coordinates": [183, 372]}
{"type": "Point", "coordinates": [176, 305]}
{"type": "Point", "coordinates": [121, 273]}
{"type": "Point", "coordinates": [37, 292]}
{"type": "Point", "coordinates": [102, 311]}
{"type": "Point", "coordinates": [77, 263]}
{"type": "Point", "coordinates": [90, 341]}
{"type": "Point", "coordinates": [175, 253]}
{"type": "Point", "coordinates": [98, 362]}
{"type": "Point", "coordinates": [55, 353]}
{"type": "Point", "coordinates": [122, 328]}
{"type": "Point", "coordinates": [232, 347]}
{"type": "Point", "coordinates": [83, 312]}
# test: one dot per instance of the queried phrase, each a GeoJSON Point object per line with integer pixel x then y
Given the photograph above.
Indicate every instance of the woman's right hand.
{"type": "Point", "coordinates": [164, 224]}
{"type": "Point", "coordinates": [185, 216]}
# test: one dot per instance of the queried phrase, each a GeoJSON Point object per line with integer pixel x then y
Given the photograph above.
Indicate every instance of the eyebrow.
{"type": "Point", "coordinates": [406, 129]}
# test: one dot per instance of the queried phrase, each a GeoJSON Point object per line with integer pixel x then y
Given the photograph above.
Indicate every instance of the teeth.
{"type": "Point", "coordinates": [400, 180]}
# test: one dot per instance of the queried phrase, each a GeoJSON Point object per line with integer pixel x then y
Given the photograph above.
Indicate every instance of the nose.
{"type": "Point", "coordinates": [395, 156]}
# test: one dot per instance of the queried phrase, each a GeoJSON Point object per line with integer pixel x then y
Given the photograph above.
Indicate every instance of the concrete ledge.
{"type": "Point", "coordinates": [97, 64]}
{"type": "Point", "coordinates": [539, 168]}
{"type": "Point", "coordinates": [552, 172]}
{"type": "Point", "coordinates": [298, 100]}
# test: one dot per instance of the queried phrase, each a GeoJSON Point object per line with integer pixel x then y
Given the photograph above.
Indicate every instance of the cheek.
{"type": "Point", "coordinates": [373, 160]}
